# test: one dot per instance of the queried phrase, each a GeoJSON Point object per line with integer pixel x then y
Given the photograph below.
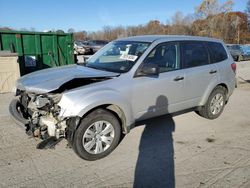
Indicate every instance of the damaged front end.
{"type": "Point", "coordinates": [38, 114]}
{"type": "Point", "coordinates": [36, 105]}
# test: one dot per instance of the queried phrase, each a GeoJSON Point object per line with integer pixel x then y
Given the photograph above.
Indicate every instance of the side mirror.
{"type": "Point", "coordinates": [148, 69]}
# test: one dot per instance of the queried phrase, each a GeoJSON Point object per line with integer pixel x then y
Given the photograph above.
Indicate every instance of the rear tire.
{"type": "Point", "coordinates": [97, 135]}
{"type": "Point", "coordinates": [214, 105]}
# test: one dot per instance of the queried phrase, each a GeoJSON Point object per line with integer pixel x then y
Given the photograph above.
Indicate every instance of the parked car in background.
{"type": "Point", "coordinates": [95, 45]}
{"type": "Point", "coordinates": [246, 50]}
{"type": "Point", "coordinates": [81, 48]}
{"type": "Point", "coordinates": [239, 52]}
{"type": "Point", "coordinates": [128, 80]}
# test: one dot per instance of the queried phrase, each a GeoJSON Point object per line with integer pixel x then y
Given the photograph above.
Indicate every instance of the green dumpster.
{"type": "Point", "coordinates": [38, 50]}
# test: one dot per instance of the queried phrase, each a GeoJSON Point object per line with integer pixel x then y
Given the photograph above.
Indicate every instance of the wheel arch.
{"type": "Point", "coordinates": [116, 111]}
{"type": "Point", "coordinates": [74, 122]}
{"type": "Point", "coordinates": [210, 90]}
{"type": "Point", "coordinates": [225, 86]}
{"type": "Point", "coordinates": [81, 105]}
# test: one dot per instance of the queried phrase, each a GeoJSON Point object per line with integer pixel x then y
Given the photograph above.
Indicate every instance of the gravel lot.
{"type": "Point", "coordinates": [180, 151]}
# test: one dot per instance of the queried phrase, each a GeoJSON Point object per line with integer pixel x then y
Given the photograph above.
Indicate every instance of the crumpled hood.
{"type": "Point", "coordinates": [50, 79]}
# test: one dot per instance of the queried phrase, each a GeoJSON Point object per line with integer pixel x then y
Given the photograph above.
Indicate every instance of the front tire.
{"type": "Point", "coordinates": [97, 135]}
{"type": "Point", "coordinates": [215, 104]}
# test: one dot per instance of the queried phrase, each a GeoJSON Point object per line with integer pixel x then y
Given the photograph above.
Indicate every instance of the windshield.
{"type": "Point", "coordinates": [118, 56]}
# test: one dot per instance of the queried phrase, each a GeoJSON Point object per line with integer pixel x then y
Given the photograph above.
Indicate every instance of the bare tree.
{"type": "Point", "coordinates": [5, 28]}
{"type": "Point", "coordinates": [60, 31]}
{"type": "Point", "coordinates": [227, 6]}
{"type": "Point", "coordinates": [81, 35]}
{"type": "Point", "coordinates": [207, 8]}
{"type": "Point", "coordinates": [24, 29]}
{"type": "Point", "coordinates": [71, 30]}
{"type": "Point", "coordinates": [248, 14]}
{"type": "Point", "coordinates": [153, 27]}
{"type": "Point", "coordinates": [236, 24]}
{"type": "Point", "coordinates": [180, 24]}
{"type": "Point", "coordinates": [212, 7]}
{"type": "Point", "coordinates": [107, 32]}
{"type": "Point", "coordinates": [189, 19]}
{"type": "Point", "coordinates": [215, 20]}
{"type": "Point", "coordinates": [177, 19]}
{"type": "Point", "coordinates": [32, 29]}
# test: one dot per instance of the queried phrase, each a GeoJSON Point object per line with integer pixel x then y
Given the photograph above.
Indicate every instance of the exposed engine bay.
{"type": "Point", "coordinates": [40, 112]}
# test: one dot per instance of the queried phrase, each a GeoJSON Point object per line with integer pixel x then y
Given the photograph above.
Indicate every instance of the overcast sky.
{"type": "Point", "coordinates": [92, 15]}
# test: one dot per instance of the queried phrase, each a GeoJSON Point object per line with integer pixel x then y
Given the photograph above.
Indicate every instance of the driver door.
{"type": "Point", "coordinates": [157, 95]}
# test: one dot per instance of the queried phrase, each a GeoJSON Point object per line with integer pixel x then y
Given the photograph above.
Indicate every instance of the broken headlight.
{"type": "Point", "coordinates": [49, 99]}
{"type": "Point", "coordinates": [41, 101]}
{"type": "Point", "coordinates": [55, 97]}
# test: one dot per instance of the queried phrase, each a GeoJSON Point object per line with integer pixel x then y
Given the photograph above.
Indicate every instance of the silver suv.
{"type": "Point", "coordinates": [128, 80]}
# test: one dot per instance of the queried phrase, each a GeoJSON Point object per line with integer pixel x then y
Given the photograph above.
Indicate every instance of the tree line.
{"type": "Point", "coordinates": [210, 19]}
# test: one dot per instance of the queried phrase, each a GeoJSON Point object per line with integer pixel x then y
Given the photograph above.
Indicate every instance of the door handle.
{"type": "Point", "coordinates": [213, 72]}
{"type": "Point", "coordinates": [178, 78]}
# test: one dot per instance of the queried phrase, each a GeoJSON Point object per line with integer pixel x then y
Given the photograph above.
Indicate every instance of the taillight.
{"type": "Point", "coordinates": [233, 66]}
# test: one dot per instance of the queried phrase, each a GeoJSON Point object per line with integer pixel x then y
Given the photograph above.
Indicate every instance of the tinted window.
{"type": "Point", "coordinates": [165, 56]}
{"type": "Point", "coordinates": [235, 47]}
{"type": "Point", "coordinates": [217, 51]}
{"type": "Point", "coordinates": [194, 54]}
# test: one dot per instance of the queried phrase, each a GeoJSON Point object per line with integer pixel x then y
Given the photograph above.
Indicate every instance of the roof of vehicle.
{"type": "Point", "coordinates": [152, 38]}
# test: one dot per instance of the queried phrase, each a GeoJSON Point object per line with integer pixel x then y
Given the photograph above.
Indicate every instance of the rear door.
{"type": "Point", "coordinates": [199, 72]}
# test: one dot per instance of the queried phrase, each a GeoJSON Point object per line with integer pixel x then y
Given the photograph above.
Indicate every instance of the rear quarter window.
{"type": "Point", "coordinates": [217, 52]}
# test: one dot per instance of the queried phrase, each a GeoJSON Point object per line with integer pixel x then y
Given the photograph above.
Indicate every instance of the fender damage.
{"type": "Point", "coordinates": [36, 108]}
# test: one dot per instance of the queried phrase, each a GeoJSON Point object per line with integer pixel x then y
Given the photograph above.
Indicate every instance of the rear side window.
{"type": "Point", "coordinates": [194, 54]}
{"type": "Point", "coordinates": [218, 53]}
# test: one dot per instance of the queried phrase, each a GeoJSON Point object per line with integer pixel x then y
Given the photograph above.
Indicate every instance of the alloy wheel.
{"type": "Point", "coordinates": [98, 137]}
{"type": "Point", "coordinates": [216, 104]}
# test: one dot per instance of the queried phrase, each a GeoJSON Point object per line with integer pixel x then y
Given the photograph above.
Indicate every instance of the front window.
{"type": "Point", "coordinates": [118, 56]}
{"type": "Point", "coordinates": [166, 56]}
